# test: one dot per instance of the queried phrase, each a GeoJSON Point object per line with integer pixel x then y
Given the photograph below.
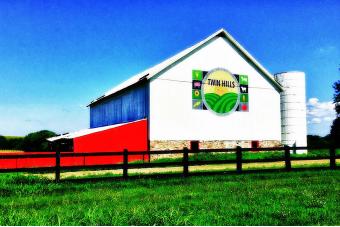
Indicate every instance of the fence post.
{"type": "Point", "coordinates": [332, 161]}
{"type": "Point", "coordinates": [294, 148]}
{"type": "Point", "coordinates": [287, 158]}
{"type": "Point", "coordinates": [239, 159]}
{"type": "Point", "coordinates": [125, 163]}
{"type": "Point", "coordinates": [57, 164]}
{"type": "Point", "coordinates": [185, 162]}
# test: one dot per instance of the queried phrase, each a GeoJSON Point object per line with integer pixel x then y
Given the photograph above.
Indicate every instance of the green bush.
{"type": "Point", "coordinates": [36, 141]}
{"type": "Point", "coordinates": [11, 142]}
{"type": "Point", "coordinates": [318, 141]}
{"type": "Point", "coordinates": [15, 143]}
{"type": "Point", "coordinates": [3, 142]}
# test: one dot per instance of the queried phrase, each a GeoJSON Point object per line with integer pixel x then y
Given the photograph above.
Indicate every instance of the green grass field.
{"type": "Point", "coordinates": [295, 198]}
{"type": "Point", "coordinates": [249, 155]}
{"type": "Point", "coordinates": [14, 137]}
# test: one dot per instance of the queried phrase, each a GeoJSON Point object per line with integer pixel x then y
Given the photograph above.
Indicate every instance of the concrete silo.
{"type": "Point", "coordinates": [293, 109]}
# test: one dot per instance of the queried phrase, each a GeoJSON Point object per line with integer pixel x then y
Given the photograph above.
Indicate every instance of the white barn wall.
{"type": "Point", "coordinates": [172, 116]}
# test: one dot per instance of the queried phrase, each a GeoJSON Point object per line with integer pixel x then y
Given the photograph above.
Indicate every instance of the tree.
{"type": "Point", "coordinates": [314, 141]}
{"type": "Point", "coordinates": [335, 129]}
{"type": "Point", "coordinates": [15, 143]}
{"type": "Point", "coordinates": [36, 141]}
{"type": "Point", "coordinates": [336, 97]}
{"type": "Point", "coordinates": [3, 142]}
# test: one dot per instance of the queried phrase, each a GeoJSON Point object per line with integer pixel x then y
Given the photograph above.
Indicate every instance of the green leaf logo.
{"type": "Point", "coordinates": [221, 104]}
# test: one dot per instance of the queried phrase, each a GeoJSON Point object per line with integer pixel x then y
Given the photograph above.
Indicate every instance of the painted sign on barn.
{"type": "Point", "coordinates": [219, 91]}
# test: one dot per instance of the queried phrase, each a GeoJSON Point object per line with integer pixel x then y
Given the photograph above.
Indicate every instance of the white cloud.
{"type": "Point", "coordinates": [327, 119]}
{"type": "Point", "coordinates": [320, 116]}
{"type": "Point", "coordinates": [325, 49]}
{"type": "Point", "coordinates": [313, 101]}
{"type": "Point", "coordinates": [315, 120]}
{"type": "Point", "coordinates": [318, 109]}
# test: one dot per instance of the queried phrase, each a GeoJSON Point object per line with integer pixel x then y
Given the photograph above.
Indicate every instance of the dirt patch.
{"type": "Point", "coordinates": [310, 162]}
{"type": "Point", "coordinates": [221, 167]}
{"type": "Point", "coordinates": [10, 151]}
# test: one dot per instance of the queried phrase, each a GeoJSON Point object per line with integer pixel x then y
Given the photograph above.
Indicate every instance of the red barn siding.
{"type": "Point", "coordinates": [132, 136]}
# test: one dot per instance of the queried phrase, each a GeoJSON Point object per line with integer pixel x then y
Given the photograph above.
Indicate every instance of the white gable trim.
{"type": "Point", "coordinates": [157, 69]}
{"type": "Point", "coordinates": [85, 132]}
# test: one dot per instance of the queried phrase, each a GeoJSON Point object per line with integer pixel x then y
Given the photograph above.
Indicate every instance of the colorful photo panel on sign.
{"type": "Point", "coordinates": [197, 104]}
{"type": "Point", "coordinates": [244, 97]}
{"type": "Point", "coordinates": [244, 88]}
{"type": "Point", "coordinates": [243, 107]}
{"type": "Point", "coordinates": [196, 94]}
{"type": "Point", "coordinates": [243, 80]}
{"type": "Point", "coordinates": [196, 84]}
{"type": "Point", "coordinates": [197, 75]}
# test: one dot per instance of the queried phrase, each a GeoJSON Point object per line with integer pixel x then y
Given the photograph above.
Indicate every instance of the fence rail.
{"type": "Point", "coordinates": [184, 163]}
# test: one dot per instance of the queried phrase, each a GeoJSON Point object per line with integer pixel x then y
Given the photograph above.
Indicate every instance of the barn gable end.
{"type": "Point", "coordinates": [163, 95]}
{"type": "Point", "coordinates": [173, 118]}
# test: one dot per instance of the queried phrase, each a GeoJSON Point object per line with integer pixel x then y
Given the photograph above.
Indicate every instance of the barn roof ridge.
{"type": "Point", "coordinates": [154, 70]}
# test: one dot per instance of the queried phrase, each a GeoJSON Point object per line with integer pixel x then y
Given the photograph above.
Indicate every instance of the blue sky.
{"type": "Point", "coordinates": [56, 56]}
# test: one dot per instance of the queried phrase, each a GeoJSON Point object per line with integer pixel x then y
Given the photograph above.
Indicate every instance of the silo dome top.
{"type": "Point", "coordinates": [292, 78]}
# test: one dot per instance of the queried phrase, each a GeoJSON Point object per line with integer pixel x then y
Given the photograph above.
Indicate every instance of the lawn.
{"type": "Point", "coordinates": [248, 155]}
{"type": "Point", "coordinates": [295, 198]}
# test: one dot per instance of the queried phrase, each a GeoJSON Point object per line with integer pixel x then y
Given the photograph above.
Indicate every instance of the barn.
{"type": "Point", "coordinates": [213, 94]}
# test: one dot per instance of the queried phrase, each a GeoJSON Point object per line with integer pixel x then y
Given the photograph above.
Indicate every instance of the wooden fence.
{"type": "Point", "coordinates": [184, 162]}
